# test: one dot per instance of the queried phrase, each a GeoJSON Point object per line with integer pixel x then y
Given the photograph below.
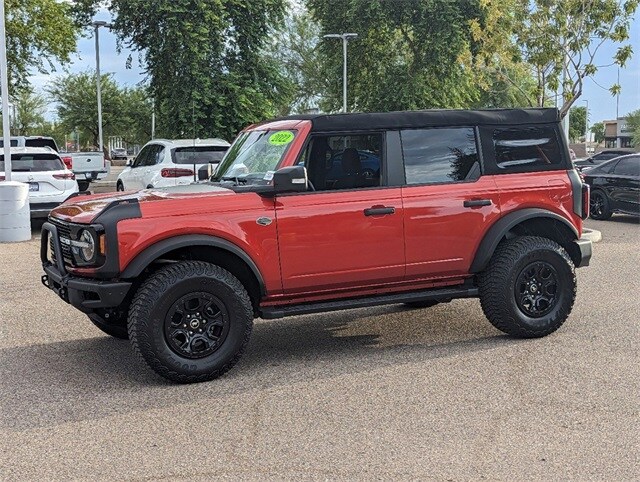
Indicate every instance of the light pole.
{"type": "Point", "coordinates": [4, 81]}
{"type": "Point", "coordinates": [586, 127]}
{"type": "Point", "coordinates": [345, 38]}
{"type": "Point", "coordinates": [96, 25]}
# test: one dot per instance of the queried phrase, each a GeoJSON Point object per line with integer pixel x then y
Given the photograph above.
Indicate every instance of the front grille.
{"type": "Point", "coordinates": [65, 232]}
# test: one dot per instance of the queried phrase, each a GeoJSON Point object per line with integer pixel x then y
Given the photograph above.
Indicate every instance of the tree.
{"type": "Point", "coordinates": [577, 123]}
{"type": "Point", "coordinates": [126, 112]}
{"type": "Point", "coordinates": [295, 51]}
{"type": "Point", "coordinates": [75, 96]}
{"type": "Point", "coordinates": [598, 132]}
{"type": "Point", "coordinates": [557, 37]}
{"type": "Point", "coordinates": [207, 70]}
{"type": "Point", "coordinates": [633, 123]}
{"type": "Point", "coordinates": [408, 55]}
{"type": "Point", "coordinates": [40, 32]}
{"type": "Point", "coordinates": [29, 109]}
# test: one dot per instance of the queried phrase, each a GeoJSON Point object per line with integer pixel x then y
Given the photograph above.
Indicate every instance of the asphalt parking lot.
{"type": "Point", "coordinates": [378, 393]}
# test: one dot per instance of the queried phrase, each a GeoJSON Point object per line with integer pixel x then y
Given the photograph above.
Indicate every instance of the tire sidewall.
{"type": "Point", "coordinates": [154, 332]}
{"type": "Point", "coordinates": [566, 286]}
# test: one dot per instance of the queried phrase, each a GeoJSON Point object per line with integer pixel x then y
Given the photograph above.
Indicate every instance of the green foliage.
{"type": "Point", "coordinates": [125, 112]}
{"type": "Point", "coordinates": [577, 123]}
{"type": "Point", "coordinates": [408, 55]}
{"type": "Point", "coordinates": [633, 122]}
{"type": "Point", "coordinates": [39, 32]}
{"type": "Point", "coordinates": [208, 73]}
{"type": "Point", "coordinates": [29, 109]}
{"type": "Point", "coordinates": [565, 35]}
{"type": "Point", "coordinates": [598, 132]}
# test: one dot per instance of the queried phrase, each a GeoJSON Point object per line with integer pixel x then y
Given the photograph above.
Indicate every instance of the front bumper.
{"type": "Point", "coordinates": [585, 248]}
{"type": "Point", "coordinates": [84, 293]}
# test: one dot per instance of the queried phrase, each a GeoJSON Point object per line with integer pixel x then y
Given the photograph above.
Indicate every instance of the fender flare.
{"type": "Point", "coordinates": [496, 232]}
{"type": "Point", "coordinates": [153, 252]}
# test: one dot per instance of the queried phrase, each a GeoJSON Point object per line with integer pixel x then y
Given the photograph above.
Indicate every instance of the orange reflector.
{"type": "Point", "coordinates": [102, 244]}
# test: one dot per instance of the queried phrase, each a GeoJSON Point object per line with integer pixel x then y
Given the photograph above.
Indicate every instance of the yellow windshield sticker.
{"type": "Point", "coordinates": [281, 138]}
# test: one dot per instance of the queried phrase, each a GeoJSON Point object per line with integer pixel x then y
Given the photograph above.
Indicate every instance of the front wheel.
{"type": "Point", "coordinates": [191, 321]}
{"type": "Point", "coordinates": [529, 287]}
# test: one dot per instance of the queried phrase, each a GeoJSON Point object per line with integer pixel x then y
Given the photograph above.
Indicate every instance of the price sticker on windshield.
{"type": "Point", "coordinates": [281, 138]}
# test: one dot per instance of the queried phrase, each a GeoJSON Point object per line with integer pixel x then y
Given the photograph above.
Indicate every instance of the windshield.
{"type": "Point", "coordinates": [254, 155]}
{"type": "Point", "coordinates": [33, 162]}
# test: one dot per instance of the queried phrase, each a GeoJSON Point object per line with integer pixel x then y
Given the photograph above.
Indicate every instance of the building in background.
{"type": "Point", "coordinates": [617, 133]}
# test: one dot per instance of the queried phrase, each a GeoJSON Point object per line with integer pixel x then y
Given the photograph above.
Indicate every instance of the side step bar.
{"type": "Point", "coordinates": [443, 295]}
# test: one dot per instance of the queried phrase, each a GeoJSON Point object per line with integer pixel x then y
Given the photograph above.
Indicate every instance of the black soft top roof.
{"type": "Point", "coordinates": [427, 118]}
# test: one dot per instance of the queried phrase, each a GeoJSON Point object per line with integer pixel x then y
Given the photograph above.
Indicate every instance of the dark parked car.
{"type": "Point", "coordinates": [600, 157]}
{"type": "Point", "coordinates": [615, 187]}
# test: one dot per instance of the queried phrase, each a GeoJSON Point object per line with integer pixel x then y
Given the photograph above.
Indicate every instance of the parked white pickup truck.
{"type": "Point", "coordinates": [87, 166]}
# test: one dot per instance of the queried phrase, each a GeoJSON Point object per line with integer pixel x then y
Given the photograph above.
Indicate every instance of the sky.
{"type": "Point", "coordinates": [602, 106]}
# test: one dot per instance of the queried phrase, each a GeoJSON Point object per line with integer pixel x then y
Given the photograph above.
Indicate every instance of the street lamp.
{"type": "Point", "coordinates": [96, 25]}
{"type": "Point", "coordinates": [345, 38]}
{"type": "Point", "coordinates": [586, 127]}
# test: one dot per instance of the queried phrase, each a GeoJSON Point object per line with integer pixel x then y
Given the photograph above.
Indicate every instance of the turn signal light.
{"type": "Point", "coordinates": [176, 172]}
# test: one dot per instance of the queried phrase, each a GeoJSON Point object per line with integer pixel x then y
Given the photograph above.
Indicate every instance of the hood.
{"type": "Point", "coordinates": [83, 209]}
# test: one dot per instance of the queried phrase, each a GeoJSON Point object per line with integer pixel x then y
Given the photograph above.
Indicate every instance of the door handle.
{"type": "Point", "coordinates": [379, 211]}
{"type": "Point", "coordinates": [474, 203]}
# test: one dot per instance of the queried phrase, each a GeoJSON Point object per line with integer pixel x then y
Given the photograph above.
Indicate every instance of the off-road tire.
{"type": "Point", "coordinates": [498, 285]}
{"type": "Point", "coordinates": [604, 212]}
{"type": "Point", "coordinates": [421, 304]}
{"type": "Point", "coordinates": [116, 328]}
{"type": "Point", "coordinates": [151, 305]}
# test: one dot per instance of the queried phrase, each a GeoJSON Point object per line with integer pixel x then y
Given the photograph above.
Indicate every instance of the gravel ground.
{"type": "Point", "coordinates": [378, 393]}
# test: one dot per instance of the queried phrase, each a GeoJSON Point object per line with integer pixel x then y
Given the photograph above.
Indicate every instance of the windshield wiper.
{"type": "Point", "coordinates": [236, 179]}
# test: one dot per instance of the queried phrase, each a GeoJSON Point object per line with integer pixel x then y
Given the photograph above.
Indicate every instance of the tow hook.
{"type": "Point", "coordinates": [45, 280]}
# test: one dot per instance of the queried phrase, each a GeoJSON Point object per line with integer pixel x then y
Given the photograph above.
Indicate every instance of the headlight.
{"type": "Point", "coordinates": [84, 247]}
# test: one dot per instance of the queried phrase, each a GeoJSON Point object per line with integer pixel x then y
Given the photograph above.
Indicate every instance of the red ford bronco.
{"type": "Point", "coordinates": [317, 213]}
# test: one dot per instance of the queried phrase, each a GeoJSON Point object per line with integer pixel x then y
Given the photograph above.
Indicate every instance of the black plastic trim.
{"type": "Point", "coordinates": [155, 251]}
{"type": "Point", "coordinates": [586, 249]}
{"type": "Point", "coordinates": [437, 294]}
{"type": "Point", "coordinates": [501, 227]}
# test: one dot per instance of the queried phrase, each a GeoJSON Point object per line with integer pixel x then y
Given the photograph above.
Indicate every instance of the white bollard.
{"type": "Point", "coordinates": [15, 219]}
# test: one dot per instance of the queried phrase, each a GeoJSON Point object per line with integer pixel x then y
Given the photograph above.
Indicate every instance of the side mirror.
{"type": "Point", "coordinates": [130, 162]}
{"type": "Point", "coordinates": [290, 179]}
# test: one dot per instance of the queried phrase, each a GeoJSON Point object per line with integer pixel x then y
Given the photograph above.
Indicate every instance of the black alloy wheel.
{"type": "Point", "coordinates": [536, 288]}
{"type": "Point", "coordinates": [196, 325]}
{"type": "Point", "coordinates": [599, 206]}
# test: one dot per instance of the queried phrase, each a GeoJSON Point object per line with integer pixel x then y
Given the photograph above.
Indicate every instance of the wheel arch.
{"type": "Point", "coordinates": [202, 248]}
{"type": "Point", "coordinates": [531, 222]}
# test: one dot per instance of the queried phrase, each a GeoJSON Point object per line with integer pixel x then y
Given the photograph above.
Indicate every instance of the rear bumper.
{"type": "Point", "coordinates": [41, 210]}
{"type": "Point", "coordinates": [585, 248]}
{"type": "Point", "coordinates": [83, 293]}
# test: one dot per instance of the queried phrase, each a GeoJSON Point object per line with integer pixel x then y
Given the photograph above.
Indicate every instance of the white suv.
{"type": "Point", "coordinates": [50, 182]}
{"type": "Point", "coordinates": [164, 163]}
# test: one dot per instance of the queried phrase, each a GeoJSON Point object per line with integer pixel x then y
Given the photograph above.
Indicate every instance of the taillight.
{"type": "Point", "coordinates": [1, 178]}
{"type": "Point", "coordinates": [66, 175]}
{"type": "Point", "coordinates": [586, 195]}
{"type": "Point", "coordinates": [176, 172]}
{"type": "Point", "coordinates": [67, 161]}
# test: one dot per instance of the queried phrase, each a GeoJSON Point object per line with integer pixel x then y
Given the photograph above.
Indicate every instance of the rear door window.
{"type": "Point", "coordinates": [629, 166]}
{"type": "Point", "coordinates": [527, 148]}
{"type": "Point", "coordinates": [440, 155]}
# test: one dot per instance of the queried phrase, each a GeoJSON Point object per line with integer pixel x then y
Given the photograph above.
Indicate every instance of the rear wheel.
{"type": "Point", "coordinates": [191, 321]}
{"type": "Point", "coordinates": [83, 185]}
{"type": "Point", "coordinates": [119, 186]}
{"type": "Point", "coordinates": [599, 208]}
{"type": "Point", "coordinates": [529, 287]}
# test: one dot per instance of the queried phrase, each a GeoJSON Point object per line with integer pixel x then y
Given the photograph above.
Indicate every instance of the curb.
{"type": "Point", "coordinates": [593, 234]}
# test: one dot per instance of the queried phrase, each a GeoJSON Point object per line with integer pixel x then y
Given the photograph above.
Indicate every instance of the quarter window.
{"type": "Point", "coordinates": [629, 166]}
{"type": "Point", "coordinates": [440, 155]}
{"type": "Point", "coordinates": [526, 147]}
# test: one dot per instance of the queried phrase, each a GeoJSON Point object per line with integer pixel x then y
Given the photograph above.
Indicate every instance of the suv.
{"type": "Point", "coordinates": [463, 204]}
{"type": "Point", "coordinates": [164, 163]}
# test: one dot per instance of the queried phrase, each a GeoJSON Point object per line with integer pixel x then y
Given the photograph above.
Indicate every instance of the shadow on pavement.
{"type": "Point", "coordinates": [50, 384]}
